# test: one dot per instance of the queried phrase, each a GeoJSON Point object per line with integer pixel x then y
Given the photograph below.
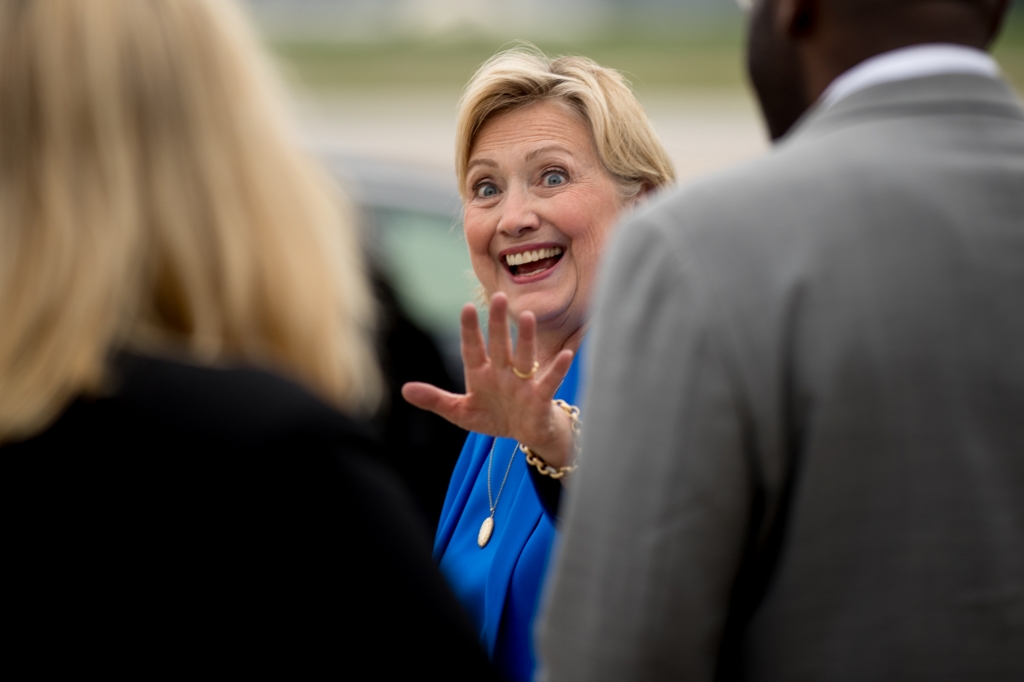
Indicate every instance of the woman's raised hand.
{"type": "Point", "coordinates": [498, 401]}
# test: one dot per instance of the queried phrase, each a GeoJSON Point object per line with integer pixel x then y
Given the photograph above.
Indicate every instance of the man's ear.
{"type": "Point", "coordinates": [796, 18]}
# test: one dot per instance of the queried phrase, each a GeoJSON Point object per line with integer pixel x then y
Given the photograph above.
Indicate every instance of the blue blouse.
{"type": "Point", "coordinates": [499, 585]}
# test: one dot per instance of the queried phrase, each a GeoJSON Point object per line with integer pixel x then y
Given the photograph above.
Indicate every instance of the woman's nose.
{"type": "Point", "coordinates": [519, 213]}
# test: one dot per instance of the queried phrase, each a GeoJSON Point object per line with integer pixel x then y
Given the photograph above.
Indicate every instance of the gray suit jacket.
{"type": "Point", "coordinates": [803, 456]}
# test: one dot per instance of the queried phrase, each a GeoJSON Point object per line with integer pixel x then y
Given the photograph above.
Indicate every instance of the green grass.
{"type": "Point", "coordinates": [700, 56]}
{"type": "Point", "coordinates": [711, 58]}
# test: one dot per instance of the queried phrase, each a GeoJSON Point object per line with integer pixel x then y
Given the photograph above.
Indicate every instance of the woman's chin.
{"type": "Point", "coordinates": [548, 306]}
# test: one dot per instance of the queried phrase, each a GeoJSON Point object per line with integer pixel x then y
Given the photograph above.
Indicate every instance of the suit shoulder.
{"type": "Point", "coordinates": [790, 203]}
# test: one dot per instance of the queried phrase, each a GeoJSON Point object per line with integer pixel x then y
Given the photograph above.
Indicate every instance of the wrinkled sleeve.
{"type": "Point", "coordinates": [656, 518]}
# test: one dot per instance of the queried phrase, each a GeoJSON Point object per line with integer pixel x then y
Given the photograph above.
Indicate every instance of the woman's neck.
{"type": "Point", "coordinates": [552, 343]}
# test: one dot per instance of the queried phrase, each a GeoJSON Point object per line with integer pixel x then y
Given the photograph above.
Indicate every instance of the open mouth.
{"type": "Point", "coordinates": [533, 262]}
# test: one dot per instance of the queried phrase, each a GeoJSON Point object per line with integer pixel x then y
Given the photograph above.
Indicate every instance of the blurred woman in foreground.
{"type": "Point", "coordinates": [183, 310]}
{"type": "Point", "coordinates": [549, 153]}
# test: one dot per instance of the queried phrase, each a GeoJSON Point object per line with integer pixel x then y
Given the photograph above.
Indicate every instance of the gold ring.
{"type": "Point", "coordinates": [526, 375]}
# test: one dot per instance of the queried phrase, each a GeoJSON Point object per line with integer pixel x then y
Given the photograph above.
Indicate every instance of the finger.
{"type": "Point", "coordinates": [474, 353]}
{"type": "Point", "coordinates": [497, 332]}
{"type": "Point", "coordinates": [551, 378]}
{"type": "Point", "coordinates": [432, 398]}
{"type": "Point", "coordinates": [525, 353]}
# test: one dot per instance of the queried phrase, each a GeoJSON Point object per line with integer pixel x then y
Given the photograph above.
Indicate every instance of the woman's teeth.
{"type": "Point", "coordinates": [531, 256]}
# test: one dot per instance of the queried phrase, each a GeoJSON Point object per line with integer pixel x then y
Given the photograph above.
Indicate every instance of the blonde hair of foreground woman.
{"type": "Point", "coordinates": [151, 198]}
{"type": "Point", "coordinates": [623, 136]}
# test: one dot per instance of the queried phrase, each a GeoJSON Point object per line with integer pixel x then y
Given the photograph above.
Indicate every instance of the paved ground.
{"type": "Point", "coordinates": [702, 130]}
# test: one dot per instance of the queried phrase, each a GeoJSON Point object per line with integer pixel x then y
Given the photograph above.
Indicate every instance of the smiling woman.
{"type": "Point", "coordinates": [550, 152]}
{"type": "Point", "coordinates": [535, 183]}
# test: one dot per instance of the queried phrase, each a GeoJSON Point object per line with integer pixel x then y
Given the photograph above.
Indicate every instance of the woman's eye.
{"type": "Point", "coordinates": [486, 191]}
{"type": "Point", "coordinates": [554, 179]}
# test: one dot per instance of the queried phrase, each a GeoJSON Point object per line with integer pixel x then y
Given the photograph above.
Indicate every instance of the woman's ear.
{"type": "Point", "coordinates": [641, 197]}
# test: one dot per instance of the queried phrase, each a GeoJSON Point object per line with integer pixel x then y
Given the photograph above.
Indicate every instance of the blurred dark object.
{"type": "Point", "coordinates": [412, 227]}
{"type": "Point", "coordinates": [420, 446]}
{"type": "Point", "coordinates": [219, 520]}
{"type": "Point", "coordinates": [421, 274]}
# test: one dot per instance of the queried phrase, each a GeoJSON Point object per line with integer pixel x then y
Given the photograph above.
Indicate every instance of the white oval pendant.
{"type": "Point", "coordinates": [486, 528]}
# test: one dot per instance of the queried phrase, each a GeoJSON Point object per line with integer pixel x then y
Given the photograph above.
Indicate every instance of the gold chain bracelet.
{"type": "Point", "coordinates": [543, 467]}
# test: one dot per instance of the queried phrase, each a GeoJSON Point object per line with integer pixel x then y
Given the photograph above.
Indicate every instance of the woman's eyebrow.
{"type": "Point", "coordinates": [548, 149]}
{"type": "Point", "coordinates": [481, 162]}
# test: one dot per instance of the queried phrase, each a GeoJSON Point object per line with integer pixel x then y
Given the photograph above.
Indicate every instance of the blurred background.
{"type": "Point", "coordinates": [375, 86]}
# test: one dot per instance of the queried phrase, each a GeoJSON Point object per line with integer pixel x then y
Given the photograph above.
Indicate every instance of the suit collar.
{"type": "Point", "coordinates": [907, 63]}
{"type": "Point", "coordinates": [968, 94]}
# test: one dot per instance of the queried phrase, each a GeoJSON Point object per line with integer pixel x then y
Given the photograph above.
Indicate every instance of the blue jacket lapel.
{"type": "Point", "coordinates": [527, 511]}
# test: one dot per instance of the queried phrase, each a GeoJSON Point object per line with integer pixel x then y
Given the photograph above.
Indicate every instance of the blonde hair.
{"type": "Point", "coordinates": [151, 197]}
{"type": "Point", "coordinates": [623, 135]}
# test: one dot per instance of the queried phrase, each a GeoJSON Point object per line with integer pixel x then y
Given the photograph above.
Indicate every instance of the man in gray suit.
{"type": "Point", "coordinates": [803, 456]}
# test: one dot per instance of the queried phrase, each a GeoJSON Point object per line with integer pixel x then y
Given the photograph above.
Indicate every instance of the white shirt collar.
{"type": "Point", "coordinates": [905, 63]}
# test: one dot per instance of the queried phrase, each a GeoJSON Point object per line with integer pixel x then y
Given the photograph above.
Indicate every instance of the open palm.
{"type": "Point", "coordinates": [497, 402]}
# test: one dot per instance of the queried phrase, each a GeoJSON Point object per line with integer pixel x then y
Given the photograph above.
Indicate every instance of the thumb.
{"type": "Point", "coordinates": [432, 398]}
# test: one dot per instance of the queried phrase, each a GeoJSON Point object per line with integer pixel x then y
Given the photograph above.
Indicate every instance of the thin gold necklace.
{"type": "Point", "coordinates": [487, 527]}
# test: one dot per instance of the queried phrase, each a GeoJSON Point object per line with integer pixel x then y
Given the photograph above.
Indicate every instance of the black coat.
{"type": "Point", "coordinates": [199, 519]}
